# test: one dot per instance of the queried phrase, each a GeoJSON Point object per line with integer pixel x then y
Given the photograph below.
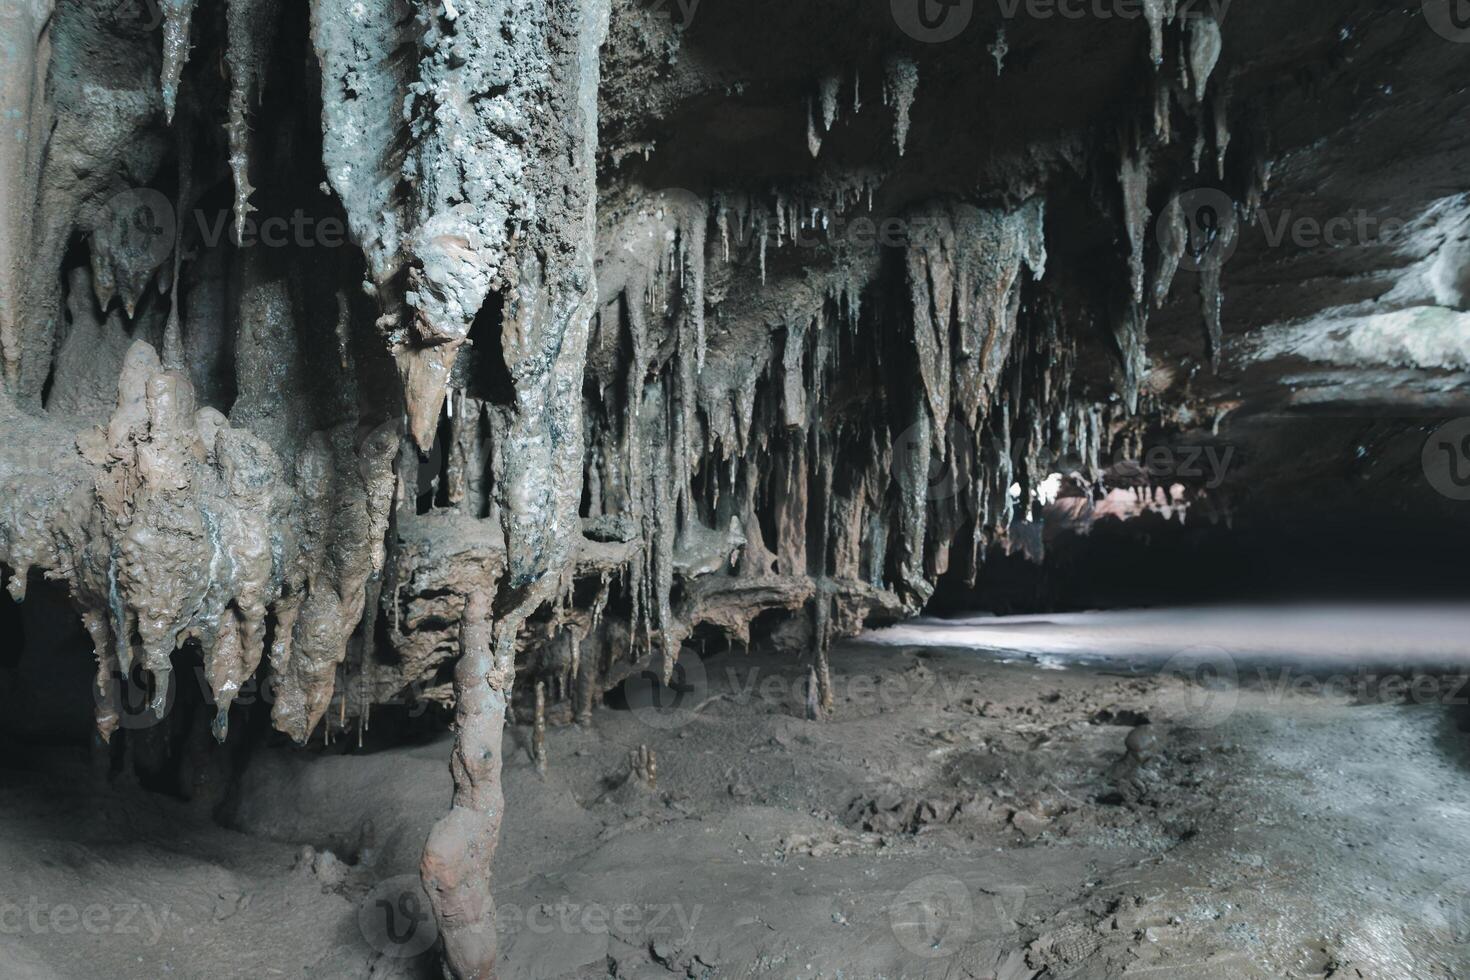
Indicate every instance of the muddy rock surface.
{"type": "Point", "coordinates": [964, 817]}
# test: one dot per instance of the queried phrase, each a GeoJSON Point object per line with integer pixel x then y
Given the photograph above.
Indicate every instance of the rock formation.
{"type": "Point", "coordinates": [474, 345]}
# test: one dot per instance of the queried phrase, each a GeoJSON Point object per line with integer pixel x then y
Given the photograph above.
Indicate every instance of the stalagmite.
{"type": "Point", "coordinates": [456, 862]}
{"type": "Point", "coordinates": [538, 744]}
{"type": "Point", "coordinates": [643, 762]}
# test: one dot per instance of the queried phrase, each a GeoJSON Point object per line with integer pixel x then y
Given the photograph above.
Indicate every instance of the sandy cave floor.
{"type": "Point", "coordinates": [967, 813]}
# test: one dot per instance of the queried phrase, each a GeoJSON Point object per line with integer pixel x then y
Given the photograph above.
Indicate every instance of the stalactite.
{"type": "Point", "coordinates": [1133, 176]}
{"type": "Point", "coordinates": [1173, 237]}
{"type": "Point", "coordinates": [1211, 303]}
{"type": "Point", "coordinates": [998, 49]}
{"type": "Point", "coordinates": [1211, 263]}
{"type": "Point", "coordinates": [830, 86]}
{"type": "Point", "coordinates": [29, 119]}
{"type": "Point", "coordinates": [911, 475]}
{"type": "Point", "coordinates": [1201, 138]}
{"type": "Point", "coordinates": [900, 86]}
{"type": "Point", "coordinates": [1130, 333]}
{"type": "Point", "coordinates": [173, 339]}
{"type": "Point", "coordinates": [176, 17]}
{"type": "Point", "coordinates": [251, 24]}
{"type": "Point", "coordinates": [1222, 128]}
{"type": "Point", "coordinates": [1158, 13]}
{"type": "Point", "coordinates": [693, 245]}
{"type": "Point", "coordinates": [1163, 110]}
{"type": "Point", "coordinates": [193, 511]}
{"type": "Point", "coordinates": [1204, 51]}
{"type": "Point", "coordinates": [365, 77]}
{"type": "Point", "coordinates": [964, 268]}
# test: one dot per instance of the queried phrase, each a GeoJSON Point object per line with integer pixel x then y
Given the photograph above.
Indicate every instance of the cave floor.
{"type": "Point", "coordinates": [963, 814]}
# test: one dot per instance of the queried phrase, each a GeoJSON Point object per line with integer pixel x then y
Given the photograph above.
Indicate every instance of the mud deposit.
{"type": "Point", "coordinates": [959, 816]}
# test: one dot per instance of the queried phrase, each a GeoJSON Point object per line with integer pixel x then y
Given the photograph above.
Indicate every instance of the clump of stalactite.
{"type": "Point", "coordinates": [515, 428]}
